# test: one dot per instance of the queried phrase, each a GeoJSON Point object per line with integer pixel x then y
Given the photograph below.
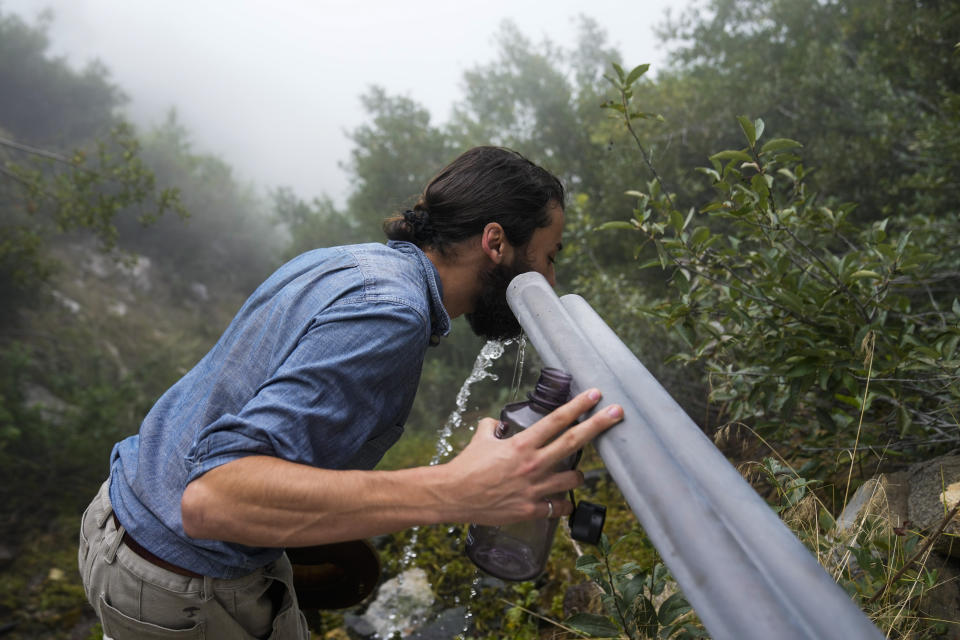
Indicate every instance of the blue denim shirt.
{"type": "Point", "coordinates": [320, 367]}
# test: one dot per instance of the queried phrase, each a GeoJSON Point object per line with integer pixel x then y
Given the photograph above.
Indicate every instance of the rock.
{"type": "Point", "coordinates": [117, 308]}
{"type": "Point", "coordinates": [942, 602]}
{"type": "Point", "coordinates": [934, 489]}
{"type": "Point", "coordinates": [884, 497]}
{"type": "Point", "coordinates": [114, 352]}
{"type": "Point", "coordinates": [918, 500]}
{"type": "Point", "coordinates": [69, 304]}
{"type": "Point", "coordinates": [133, 268]}
{"type": "Point", "coordinates": [449, 624]}
{"type": "Point", "coordinates": [402, 605]}
{"type": "Point", "coordinates": [358, 627]}
{"type": "Point", "coordinates": [582, 598]}
{"type": "Point", "coordinates": [490, 582]}
{"type": "Point", "coordinates": [99, 265]}
{"type": "Point", "coordinates": [199, 291]}
{"type": "Point", "coordinates": [51, 408]}
{"type": "Point", "coordinates": [919, 497]}
{"type": "Point", "coordinates": [138, 271]}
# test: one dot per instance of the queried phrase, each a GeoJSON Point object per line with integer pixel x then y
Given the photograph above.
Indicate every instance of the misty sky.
{"type": "Point", "coordinates": [271, 87]}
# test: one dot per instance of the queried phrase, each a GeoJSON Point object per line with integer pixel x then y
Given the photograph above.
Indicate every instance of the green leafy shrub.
{"type": "Point", "coordinates": [633, 600]}
{"type": "Point", "coordinates": [809, 327]}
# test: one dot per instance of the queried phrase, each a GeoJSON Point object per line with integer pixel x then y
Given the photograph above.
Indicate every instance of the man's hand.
{"type": "Point", "coordinates": [499, 481]}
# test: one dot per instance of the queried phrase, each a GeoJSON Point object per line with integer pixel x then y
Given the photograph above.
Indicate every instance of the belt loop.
{"type": "Point", "coordinates": [207, 593]}
{"type": "Point", "coordinates": [111, 551]}
{"type": "Point", "coordinates": [103, 498]}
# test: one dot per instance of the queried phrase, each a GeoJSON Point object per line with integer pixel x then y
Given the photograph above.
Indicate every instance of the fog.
{"type": "Point", "coordinates": [273, 87]}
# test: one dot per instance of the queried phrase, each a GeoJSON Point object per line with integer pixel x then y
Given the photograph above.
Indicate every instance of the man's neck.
{"type": "Point", "coordinates": [459, 274]}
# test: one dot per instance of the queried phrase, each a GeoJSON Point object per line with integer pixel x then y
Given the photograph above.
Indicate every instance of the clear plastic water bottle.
{"type": "Point", "coordinates": [519, 551]}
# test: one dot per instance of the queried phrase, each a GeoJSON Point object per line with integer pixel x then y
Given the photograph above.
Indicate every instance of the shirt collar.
{"type": "Point", "coordinates": [439, 319]}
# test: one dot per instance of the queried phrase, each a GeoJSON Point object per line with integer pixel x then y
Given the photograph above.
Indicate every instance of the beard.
{"type": "Point", "coordinates": [492, 317]}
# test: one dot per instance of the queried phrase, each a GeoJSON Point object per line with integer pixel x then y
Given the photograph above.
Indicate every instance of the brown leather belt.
{"type": "Point", "coordinates": [134, 546]}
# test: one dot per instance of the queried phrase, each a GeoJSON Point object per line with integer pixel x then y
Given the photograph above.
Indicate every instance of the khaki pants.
{"type": "Point", "coordinates": [136, 599]}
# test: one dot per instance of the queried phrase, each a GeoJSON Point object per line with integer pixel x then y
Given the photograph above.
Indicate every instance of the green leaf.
{"type": "Point", "coordinates": [700, 235]}
{"type": "Point", "coordinates": [619, 70]}
{"type": "Point", "coordinates": [604, 544]}
{"type": "Point", "coordinates": [732, 154]}
{"type": "Point", "coordinates": [633, 589]}
{"type": "Point", "coordinates": [956, 306]}
{"type": "Point", "coordinates": [593, 625]}
{"type": "Point", "coordinates": [612, 602]}
{"type": "Point", "coordinates": [587, 561]}
{"type": "Point", "coordinates": [710, 172]}
{"type": "Point", "coordinates": [676, 220]}
{"type": "Point", "coordinates": [758, 127]}
{"type": "Point", "coordinates": [625, 538]}
{"type": "Point", "coordinates": [780, 144]}
{"type": "Point", "coordinates": [749, 130]}
{"type": "Point", "coordinates": [636, 72]}
{"type": "Point", "coordinates": [672, 608]}
{"type": "Point", "coordinates": [616, 106]}
{"type": "Point", "coordinates": [903, 243]}
{"type": "Point", "coordinates": [850, 400]}
{"type": "Point", "coordinates": [591, 566]}
{"type": "Point", "coordinates": [617, 224]}
{"type": "Point", "coordinates": [865, 273]}
{"type": "Point", "coordinates": [661, 253]}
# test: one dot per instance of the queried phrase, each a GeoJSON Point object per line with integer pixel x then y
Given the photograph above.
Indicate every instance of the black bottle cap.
{"type": "Point", "coordinates": [553, 388]}
{"type": "Point", "coordinates": [586, 522]}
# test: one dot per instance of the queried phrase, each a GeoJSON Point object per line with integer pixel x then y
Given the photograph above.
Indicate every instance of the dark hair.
{"type": "Point", "coordinates": [483, 185]}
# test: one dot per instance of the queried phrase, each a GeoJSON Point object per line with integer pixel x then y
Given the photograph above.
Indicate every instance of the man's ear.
{"type": "Point", "coordinates": [493, 241]}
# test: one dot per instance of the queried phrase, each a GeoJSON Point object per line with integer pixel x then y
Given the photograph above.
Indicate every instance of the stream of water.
{"type": "Point", "coordinates": [490, 353]}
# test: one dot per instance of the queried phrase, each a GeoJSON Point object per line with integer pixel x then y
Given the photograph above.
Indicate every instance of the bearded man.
{"type": "Point", "coordinates": [270, 440]}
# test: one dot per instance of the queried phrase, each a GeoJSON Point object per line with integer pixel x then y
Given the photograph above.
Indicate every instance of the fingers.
{"type": "Point", "coordinates": [559, 419]}
{"type": "Point", "coordinates": [554, 436]}
{"type": "Point", "coordinates": [559, 483]}
{"type": "Point", "coordinates": [577, 436]}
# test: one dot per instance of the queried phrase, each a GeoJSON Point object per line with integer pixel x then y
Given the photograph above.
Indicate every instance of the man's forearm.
{"type": "Point", "coordinates": [264, 501]}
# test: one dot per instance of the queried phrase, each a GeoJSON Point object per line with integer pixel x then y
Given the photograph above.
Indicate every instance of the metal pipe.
{"type": "Point", "coordinates": [743, 571]}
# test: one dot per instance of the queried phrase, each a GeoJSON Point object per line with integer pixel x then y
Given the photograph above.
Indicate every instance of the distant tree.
{"type": "Point", "coordinates": [312, 225]}
{"type": "Point", "coordinates": [870, 86]}
{"type": "Point", "coordinates": [48, 190]}
{"type": "Point", "coordinates": [45, 102]}
{"type": "Point", "coordinates": [394, 156]}
{"type": "Point", "coordinates": [229, 241]}
{"type": "Point", "coordinates": [44, 193]}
